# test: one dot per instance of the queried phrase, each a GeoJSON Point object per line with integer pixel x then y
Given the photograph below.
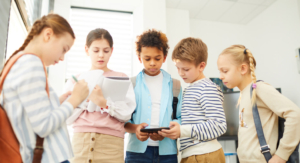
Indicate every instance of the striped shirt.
{"type": "Point", "coordinates": [31, 112]}
{"type": "Point", "coordinates": [203, 118]}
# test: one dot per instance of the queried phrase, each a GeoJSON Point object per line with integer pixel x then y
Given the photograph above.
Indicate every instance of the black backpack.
{"type": "Point", "coordinates": [265, 149]}
{"type": "Point", "coordinates": [176, 91]}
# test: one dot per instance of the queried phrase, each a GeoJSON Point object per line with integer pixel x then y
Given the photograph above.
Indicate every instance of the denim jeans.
{"type": "Point", "coordinates": [150, 156]}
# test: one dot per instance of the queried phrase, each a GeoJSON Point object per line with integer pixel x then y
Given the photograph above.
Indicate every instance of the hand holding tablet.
{"type": "Point", "coordinates": [154, 130]}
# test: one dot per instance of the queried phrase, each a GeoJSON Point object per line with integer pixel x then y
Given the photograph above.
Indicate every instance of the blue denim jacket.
{"type": "Point", "coordinates": [142, 113]}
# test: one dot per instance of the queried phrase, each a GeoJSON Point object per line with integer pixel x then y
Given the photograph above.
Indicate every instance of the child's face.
{"type": "Point", "coordinates": [152, 58]}
{"type": "Point", "coordinates": [100, 53]}
{"type": "Point", "coordinates": [55, 47]}
{"type": "Point", "coordinates": [189, 72]}
{"type": "Point", "coordinates": [230, 72]}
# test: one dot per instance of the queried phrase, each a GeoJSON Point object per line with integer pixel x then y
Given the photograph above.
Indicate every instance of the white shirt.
{"type": "Point", "coordinates": [154, 84]}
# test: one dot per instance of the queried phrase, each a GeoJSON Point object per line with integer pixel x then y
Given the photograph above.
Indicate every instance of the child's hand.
{"type": "Point", "coordinates": [97, 97]}
{"type": "Point", "coordinates": [80, 92]}
{"type": "Point", "coordinates": [173, 133]}
{"type": "Point", "coordinates": [142, 136]}
{"type": "Point", "coordinates": [156, 136]}
{"type": "Point", "coordinates": [276, 159]}
{"type": "Point", "coordinates": [64, 96]}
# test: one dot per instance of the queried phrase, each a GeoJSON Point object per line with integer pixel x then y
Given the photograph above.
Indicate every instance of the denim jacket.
{"type": "Point", "coordinates": [142, 113]}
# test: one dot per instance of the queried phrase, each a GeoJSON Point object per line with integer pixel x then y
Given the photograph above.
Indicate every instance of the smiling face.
{"type": "Point", "coordinates": [100, 53]}
{"type": "Point", "coordinates": [230, 72]}
{"type": "Point", "coordinates": [152, 59]}
{"type": "Point", "coordinates": [189, 72]}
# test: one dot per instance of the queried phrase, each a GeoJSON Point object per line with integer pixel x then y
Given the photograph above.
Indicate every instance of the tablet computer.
{"type": "Point", "coordinates": [151, 130]}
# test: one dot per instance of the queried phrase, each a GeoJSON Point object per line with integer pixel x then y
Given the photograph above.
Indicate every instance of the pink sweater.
{"type": "Point", "coordinates": [104, 123]}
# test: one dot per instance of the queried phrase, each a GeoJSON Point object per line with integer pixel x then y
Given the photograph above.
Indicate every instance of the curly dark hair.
{"type": "Point", "coordinates": [152, 38]}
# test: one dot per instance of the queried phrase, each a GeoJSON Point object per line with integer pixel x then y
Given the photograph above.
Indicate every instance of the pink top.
{"type": "Point", "coordinates": [105, 123]}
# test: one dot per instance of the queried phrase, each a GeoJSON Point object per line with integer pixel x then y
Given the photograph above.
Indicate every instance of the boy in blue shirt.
{"type": "Point", "coordinates": [154, 99]}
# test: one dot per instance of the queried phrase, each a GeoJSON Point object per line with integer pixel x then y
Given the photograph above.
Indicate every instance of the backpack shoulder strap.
{"type": "Point", "coordinates": [264, 147]}
{"type": "Point", "coordinates": [176, 87]}
{"type": "Point", "coordinates": [38, 151]}
{"type": "Point", "coordinates": [176, 91]}
{"type": "Point", "coordinates": [9, 65]}
{"type": "Point", "coordinates": [133, 81]}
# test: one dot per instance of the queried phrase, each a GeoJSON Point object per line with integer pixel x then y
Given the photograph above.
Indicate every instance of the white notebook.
{"type": "Point", "coordinates": [114, 88]}
{"type": "Point", "coordinates": [92, 78]}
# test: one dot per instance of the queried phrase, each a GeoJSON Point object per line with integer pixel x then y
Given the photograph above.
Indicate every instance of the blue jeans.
{"type": "Point", "coordinates": [150, 156]}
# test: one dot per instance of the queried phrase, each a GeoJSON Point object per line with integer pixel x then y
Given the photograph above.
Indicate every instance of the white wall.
{"type": "Point", "coordinates": [138, 28]}
{"type": "Point", "coordinates": [178, 27]}
{"type": "Point", "coordinates": [217, 36]}
{"type": "Point", "coordinates": [298, 7]}
{"type": "Point", "coordinates": [272, 37]}
{"type": "Point", "coordinates": [275, 35]}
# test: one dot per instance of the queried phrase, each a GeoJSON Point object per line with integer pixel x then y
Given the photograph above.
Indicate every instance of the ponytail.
{"type": "Point", "coordinates": [253, 76]}
{"type": "Point", "coordinates": [243, 55]}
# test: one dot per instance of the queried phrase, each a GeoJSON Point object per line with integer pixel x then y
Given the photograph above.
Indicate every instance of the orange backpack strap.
{"type": "Point", "coordinates": [38, 151]}
{"type": "Point", "coordinates": [9, 65]}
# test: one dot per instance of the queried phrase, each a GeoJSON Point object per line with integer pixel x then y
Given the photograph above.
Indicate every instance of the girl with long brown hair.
{"type": "Point", "coordinates": [36, 112]}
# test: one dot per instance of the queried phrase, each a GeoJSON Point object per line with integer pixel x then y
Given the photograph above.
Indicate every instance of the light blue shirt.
{"type": "Point", "coordinates": [142, 113]}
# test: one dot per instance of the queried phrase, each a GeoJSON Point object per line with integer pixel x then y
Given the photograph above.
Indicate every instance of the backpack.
{"type": "Point", "coordinates": [9, 145]}
{"type": "Point", "coordinates": [265, 149]}
{"type": "Point", "coordinates": [176, 91]}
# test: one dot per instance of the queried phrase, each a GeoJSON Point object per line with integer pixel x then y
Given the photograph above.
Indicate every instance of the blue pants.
{"type": "Point", "coordinates": [150, 156]}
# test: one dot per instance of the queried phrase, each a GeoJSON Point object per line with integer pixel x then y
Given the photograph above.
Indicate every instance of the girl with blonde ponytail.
{"type": "Point", "coordinates": [34, 110]}
{"type": "Point", "coordinates": [237, 69]}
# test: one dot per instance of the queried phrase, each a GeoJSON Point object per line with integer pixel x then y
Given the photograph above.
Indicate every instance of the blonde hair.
{"type": "Point", "coordinates": [242, 55]}
{"type": "Point", "coordinates": [192, 50]}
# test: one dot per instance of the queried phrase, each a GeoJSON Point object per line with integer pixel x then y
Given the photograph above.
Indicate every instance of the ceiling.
{"type": "Point", "coordinates": [230, 11]}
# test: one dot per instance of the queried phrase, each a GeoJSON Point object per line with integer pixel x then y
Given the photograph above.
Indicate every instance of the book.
{"type": "Point", "coordinates": [92, 78]}
{"type": "Point", "coordinates": [114, 88]}
{"type": "Point", "coordinates": [118, 78]}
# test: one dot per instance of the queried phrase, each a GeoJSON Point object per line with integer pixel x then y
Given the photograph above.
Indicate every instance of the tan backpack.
{"type": "Point", "coordinates": [9, 145]}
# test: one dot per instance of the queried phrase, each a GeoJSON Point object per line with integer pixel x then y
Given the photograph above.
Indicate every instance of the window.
{"type": "Point", "coordinates": [17, 31]}
{"type": "Point", "coordinates": [119, 25]}
{"type": "Point", "coordinates": [23, 13]}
